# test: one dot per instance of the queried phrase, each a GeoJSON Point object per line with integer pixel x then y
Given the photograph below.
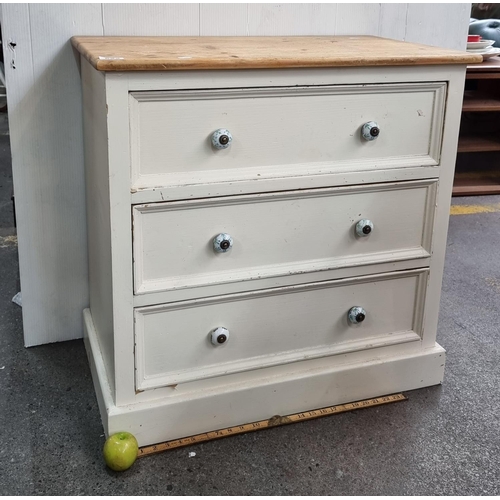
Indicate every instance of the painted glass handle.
{"type": "Point", "coordinates": [370, 131]}
{"type": "Point", "coordinates": [222, 243]}
{"type": "Point", "coordinates": [221, 139]}
{"type": "Point", "coordinates": [364, 227]}
{"type": "Point", "coordinates": [219, 336]}
{"type": "Point", "coordinates": [356, 315]}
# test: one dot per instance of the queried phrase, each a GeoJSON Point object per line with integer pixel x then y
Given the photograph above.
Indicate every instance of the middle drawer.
{"type": "Point", "coordinates": [182, 244]}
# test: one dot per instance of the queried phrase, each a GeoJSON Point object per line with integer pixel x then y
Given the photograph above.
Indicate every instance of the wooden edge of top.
{"type": "Point", "coordinates": [76, 42]}
{"type": "Point", "coordinates": [110, 66]}
{"type": "Point", "coordinates": [111, 63]}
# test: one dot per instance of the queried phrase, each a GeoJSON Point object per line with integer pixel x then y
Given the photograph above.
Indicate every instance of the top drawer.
{"type": "Point", "coordinates": [281, 131]}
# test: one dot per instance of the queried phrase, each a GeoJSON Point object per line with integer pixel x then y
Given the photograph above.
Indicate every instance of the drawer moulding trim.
{"type": "Point", "coordinates": [144, 382]}
{"type": "Point", "coordinates": [262, 92]}
{"type": "Point", "coordinates": [163, 418]}
{"type": "Point", "coordinates": [169, 179]}
{"type": "Point", "coordinates": [280, 290]}
{"type": "Point", "coordinates": [143, 286]}
{"type": "Point", "coordinates": [194, 374]}
{"type": "Point", "coordinates": [279, 271]}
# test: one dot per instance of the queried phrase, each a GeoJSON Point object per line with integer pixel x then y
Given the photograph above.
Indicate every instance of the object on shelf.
{"type": "Point", "coordinates": [488, 29]}
{"type": "Point", "coordinates": [480, 44]}
{"type": "Point", "coordinates": [486, 53]}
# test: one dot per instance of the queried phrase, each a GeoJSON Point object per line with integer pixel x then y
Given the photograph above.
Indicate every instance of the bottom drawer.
{"type": "Point", "coordinates": [175, 343]}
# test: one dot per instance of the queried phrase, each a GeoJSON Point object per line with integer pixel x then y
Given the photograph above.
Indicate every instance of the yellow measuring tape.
{"type": "Point", "coordinates": [266, 424]}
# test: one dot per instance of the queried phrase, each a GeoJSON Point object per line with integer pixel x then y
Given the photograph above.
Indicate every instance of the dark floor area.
{"type": "Point", "coordinates": [444, 440]}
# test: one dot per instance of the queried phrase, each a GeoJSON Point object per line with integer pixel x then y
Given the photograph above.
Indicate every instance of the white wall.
{"type": "Point", "coordinates": [46, 123]}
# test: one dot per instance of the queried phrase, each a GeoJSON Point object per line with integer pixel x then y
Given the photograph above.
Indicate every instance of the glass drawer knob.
{"type": "Point", "coordinates": [356, 315]}
{"type": "Point", "coordinates": [370, 131]}
{"type": "Point", "coordinates": [219, 336]}
{"type": "Point", "coordinates": [364, 227]}
{"type": "Point", "coordinates": [222, 243]}
{"type": "Point", "coordinates": [221, 139]}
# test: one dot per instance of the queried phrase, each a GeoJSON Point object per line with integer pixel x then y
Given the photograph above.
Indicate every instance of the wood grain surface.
{"type": "Point", "coordinates": [185, 53]}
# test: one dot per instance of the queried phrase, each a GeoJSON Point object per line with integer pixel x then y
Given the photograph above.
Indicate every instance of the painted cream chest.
{"type": "Point", "coordinates": [267, 222]}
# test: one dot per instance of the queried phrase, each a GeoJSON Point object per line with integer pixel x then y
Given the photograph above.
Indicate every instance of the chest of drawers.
{"type": "Point", "coordinates": [267, 221]}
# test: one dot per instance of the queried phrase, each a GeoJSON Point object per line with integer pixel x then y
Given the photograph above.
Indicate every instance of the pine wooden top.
{"type": "Point", "coordinates": [189, 53]}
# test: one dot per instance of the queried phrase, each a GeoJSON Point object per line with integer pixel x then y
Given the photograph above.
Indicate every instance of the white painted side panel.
{"type": "Point", "coordinates": [21, 98]}
{"type": "Point", "coordinates": [425, 24]}
{"type": "Point", "coordinates": [449, 154]}
{"type": "Point", "coordinates": [392, 21]}
{"type": "Point", "coordinates": [228, 19]}
{"type": "Point", "coordinates": [97, 180]}
{"type": "Point", "coordinates": [150, 19]}
{"type": "Point", "coordinates": [121, 236]}
{"type": "Point", "coordinates": [45, 112]}
{"type": "Point", "coordinates": [357, 19]}
{"type": "Point", "coordinates": [171, 132]}
{"type": "Point", "coordinates": [274, 327]}
{"type": "Point", "coordinates": [291, 19]}
{"type": "Point", "coordinates": [279, 234]}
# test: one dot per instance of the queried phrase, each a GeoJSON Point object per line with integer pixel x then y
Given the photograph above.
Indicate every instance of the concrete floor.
{"type": "Point", "coordinates": [444, 441]}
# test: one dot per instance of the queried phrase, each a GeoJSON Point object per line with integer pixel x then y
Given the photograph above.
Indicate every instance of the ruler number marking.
{"type": "Point", "coordinates": [148, 450]}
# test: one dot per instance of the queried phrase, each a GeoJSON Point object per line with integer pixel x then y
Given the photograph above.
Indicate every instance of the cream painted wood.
{"type": "Point", "coordinates": [293, 177]}
{"type": "Point", "coordinates": [232, 399]}
{"type": "Point", "coordinates": [192, 383]}
{"type": "Point", "coordinates": [448, 158]}
{"type": "Point", "coordinates": [275, 327]}
{"type": "Point", "coordinates": [118, 170]}
{"type": "Point", "coordinates": [95, 131]}
{"type": "Point", "coordinates": [280, 127]}
{"type": "Point", "coordinates": [303, 176]}
{"type": "Point", "coordinates": [273, 372]}
{"type": "Point", "coordinates": [344, 269]}
{"type": "Point", "coordinates": [118, 85]}
{"type": "Point", "coordinates": [52, 301]}
{"type": "Point", "coordinates": [251, 377]}
{"type": "Point", "coordinates": [279, 234]}
{"type": "Point", "coordinates": [105, 394]}
{"type": "Point", "coordinates": [211, 79]}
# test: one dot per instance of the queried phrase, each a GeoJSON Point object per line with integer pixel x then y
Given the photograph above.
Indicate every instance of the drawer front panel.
{"type": "Point", "coordinates": [279, 326]}
{"type": "Point", "coordinates": [279, 234]}
{"type": "Point", "coordinates": [281, 131]}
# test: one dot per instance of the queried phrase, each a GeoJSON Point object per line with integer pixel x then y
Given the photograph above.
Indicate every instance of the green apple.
{"type": "Point", "coordinates": [120, 451]}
